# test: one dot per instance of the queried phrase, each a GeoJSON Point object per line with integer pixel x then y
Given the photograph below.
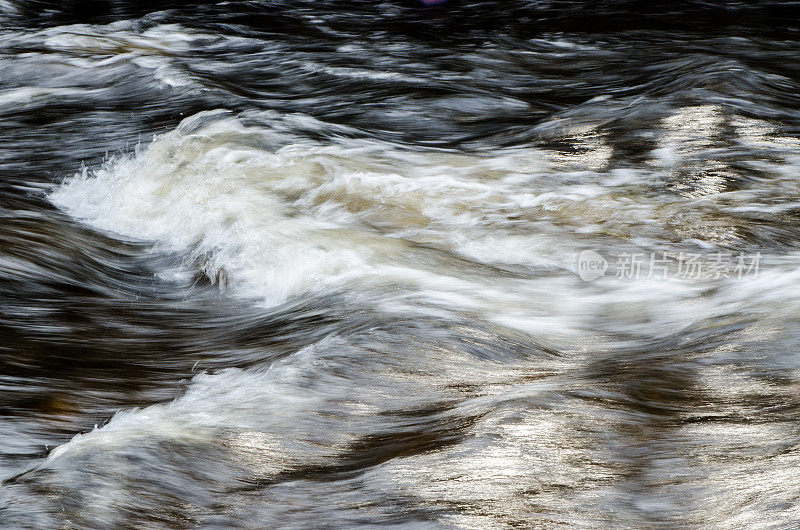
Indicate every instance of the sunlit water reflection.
{"type": "Point", "coordinates": [311, 265]}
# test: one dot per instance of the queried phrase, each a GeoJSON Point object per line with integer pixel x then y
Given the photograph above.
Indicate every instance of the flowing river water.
{"type": "Point", "coordinates": [333, 264]}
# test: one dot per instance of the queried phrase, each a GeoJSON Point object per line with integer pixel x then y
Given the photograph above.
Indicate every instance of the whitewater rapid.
{"type": "Point", "coordinates": [325, 277]}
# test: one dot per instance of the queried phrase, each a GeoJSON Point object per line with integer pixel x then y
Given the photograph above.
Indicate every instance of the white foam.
{"type": "Point", "coordinates": [236, 408]}
{"type": "Point", "coordinates": [299, 217]}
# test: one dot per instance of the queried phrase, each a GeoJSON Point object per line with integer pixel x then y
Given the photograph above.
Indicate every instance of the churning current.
{"type": "Point", "coordinates": [477, 264]}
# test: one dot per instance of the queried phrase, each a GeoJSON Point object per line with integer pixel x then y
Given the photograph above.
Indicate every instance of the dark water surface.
{"type": "Point", "coordinates": [315, 264]}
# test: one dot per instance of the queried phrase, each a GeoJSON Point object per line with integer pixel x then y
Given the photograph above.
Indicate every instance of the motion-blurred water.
{"type": "Point", "coordinates": [315, 264]}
